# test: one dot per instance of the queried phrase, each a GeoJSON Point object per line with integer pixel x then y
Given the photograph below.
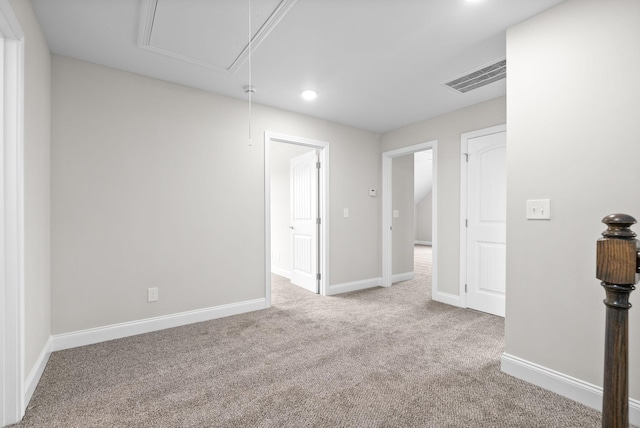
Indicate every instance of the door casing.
{"type": "Point", "coordinates": [323, 237]}
{"type": "Point", "coordinates": [12, 338]}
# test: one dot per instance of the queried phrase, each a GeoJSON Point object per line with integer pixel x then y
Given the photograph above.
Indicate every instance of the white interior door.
{"type": "Point", "coordinates": [304, 221]}
{"type": "Point", "coordinates": [486, 223]}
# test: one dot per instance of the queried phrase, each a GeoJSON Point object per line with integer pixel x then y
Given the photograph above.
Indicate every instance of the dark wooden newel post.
{"type": "Point", "coordinates": [618, 265]}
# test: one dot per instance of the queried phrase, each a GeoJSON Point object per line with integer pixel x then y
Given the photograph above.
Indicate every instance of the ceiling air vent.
{"type": "Point", "coordinates": [478, 78]}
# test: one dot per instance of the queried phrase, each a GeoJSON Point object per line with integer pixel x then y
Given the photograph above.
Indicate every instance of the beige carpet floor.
{"type": "Point", "coordinates": [383, 357]}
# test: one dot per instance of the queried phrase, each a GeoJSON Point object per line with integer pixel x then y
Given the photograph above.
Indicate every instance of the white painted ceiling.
{"type": "Point", "coordinates": [376, 64]}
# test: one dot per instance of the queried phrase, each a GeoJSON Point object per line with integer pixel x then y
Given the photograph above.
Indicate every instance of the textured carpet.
{"type": "Point", "coordinates": [384, 357]}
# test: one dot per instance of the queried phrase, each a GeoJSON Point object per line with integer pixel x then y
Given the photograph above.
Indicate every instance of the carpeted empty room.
{"type": "Point", "coordinates": [383, 357]}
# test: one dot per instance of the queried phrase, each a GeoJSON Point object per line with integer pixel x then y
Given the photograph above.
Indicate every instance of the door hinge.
{"type": "Point", "coordinates": [318, 221]}
{"type": "Point", "coordinates": [465, 288]}
{"type": "Point", "coordinates": [466, 157]}
{"type": "Point", "coordinates": [318, 276]}
{"type": "Point", "coordinates": [317, 165]}
{"type": "Point", "coordinates": [466, 222]}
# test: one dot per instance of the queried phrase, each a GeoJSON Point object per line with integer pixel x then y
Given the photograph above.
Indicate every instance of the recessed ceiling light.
{"type": "Point", "coordinates": [309, 94]}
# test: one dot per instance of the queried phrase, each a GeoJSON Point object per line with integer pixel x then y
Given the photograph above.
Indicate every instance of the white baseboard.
{"type": "Point", "coordinates": [354, 286]}
{"type": "Point", "coordinates": [402, 277]}
{"type": "Point", "coordinates": [422, 243]}
{"type": "Point", "coordinates": [562, 384]}
{"type": "Point", "coordinates": [35, 374]}
{"type": "Point", "coordinates": [449, 299]}
{"type": "Point", "coordinates": [281, 272]}
{"type": "Point", "coordinates": [117, 331]}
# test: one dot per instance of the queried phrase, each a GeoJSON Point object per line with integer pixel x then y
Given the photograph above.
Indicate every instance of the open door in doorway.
{"type": "Point", "coordinates": [388, 214]}
{"type": "Point", "coordinates": [485, 241]}
{"type": "Point", "coordinates": [304, 217]}
{"type": "Point", "coordinates": [312, 261]}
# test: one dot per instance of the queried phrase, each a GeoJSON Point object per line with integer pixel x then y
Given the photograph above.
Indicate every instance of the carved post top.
{"type": "Point", "coordinates": [617, 252]}
{"type": "Point", "coordinates": [618, 226]}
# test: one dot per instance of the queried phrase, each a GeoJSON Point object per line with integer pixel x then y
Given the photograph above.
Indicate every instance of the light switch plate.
{"type": "Point", "coordinates": [396, 213]}
{"type": "Point", "coordinates": [372, 192]}
{"type": "Point", "coordinates": [346, 213]}
{"type": "Point", "coordinates": [539, 209]}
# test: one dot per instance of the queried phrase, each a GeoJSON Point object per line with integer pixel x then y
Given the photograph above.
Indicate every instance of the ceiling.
{"type": "Point", "coordinates": [376, 64]}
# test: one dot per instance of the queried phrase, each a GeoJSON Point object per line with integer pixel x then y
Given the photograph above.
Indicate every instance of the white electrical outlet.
{"type": "Point", "coordinates": [539, 209]}
{"type": "Point", "coordinates": [345, 213]}
{"type": "Point", "coordinates": [396, 213]}
{"type": "Point", "coordinates": [152, 294]}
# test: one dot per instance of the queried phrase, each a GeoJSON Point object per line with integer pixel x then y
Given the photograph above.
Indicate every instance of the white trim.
{"type": "Point", "coordinates": [36, 372]}
{"type": "Point", "coordinates": [367, 283]}
{"type": "Point", "coordinates": [354, 286]}
{"type": "Point", "coordinates": [448, 298]}
{"type": "Point", "coordinates": [387, 220]}
{"type": "Point", "coordinates": [407, 276]}
{"type": "Point", "coordinates": [132, 328]}
{"type": "Point", "coordinates": [12, 346]}
{"type": "Point", "coordinates": [323, 268]}
{"type": "Point", "coordinates": [282, 272]}
{"type": "Point", "coordinates": [267, 221]}
{"type": "Point", "coordinates": [562, 384]}
{"type": "Point", "coordinates": [464, 145]}
{"type": "Point", "coordinates": [428, 243]}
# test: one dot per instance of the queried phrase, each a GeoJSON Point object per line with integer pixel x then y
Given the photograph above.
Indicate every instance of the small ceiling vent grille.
{"type": "Point", "coordinates": [479, 78]}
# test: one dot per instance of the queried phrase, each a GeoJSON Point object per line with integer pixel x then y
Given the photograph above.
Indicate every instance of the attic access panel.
{"type": "Point", "coordinates": [212, 34]}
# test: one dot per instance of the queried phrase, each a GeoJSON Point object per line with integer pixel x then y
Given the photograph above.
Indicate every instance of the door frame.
{"type": "Point", "coordinates": [464, 145]}
{"type": "Point", "coordinates": [323, 238]}
{"type": "Point", "coordinates": [387, 208]}
{"type": "Point", "coordinates": [12, 346]}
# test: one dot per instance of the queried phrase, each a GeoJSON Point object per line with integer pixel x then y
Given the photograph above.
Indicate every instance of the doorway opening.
{"type": "Point", "coordinates": [296, 212]}
{"type": "Point", "coordinates": [391, 213]}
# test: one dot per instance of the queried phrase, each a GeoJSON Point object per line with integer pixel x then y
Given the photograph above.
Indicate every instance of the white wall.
{"type": "Point", "coordinates": [281, 154]}
{"type": "Point", "coordinates": [155, 185]}
{"type": "Point", "coordinates": [37, 131]}
{"type": "Point", "coordinates": [447, 130]}
{"type": "Point", "coordinates": [573, 137]}
{"type": "Point", "coordinates": [403, 225]}
{"type": "Point", "coordinates": [424, 219]}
